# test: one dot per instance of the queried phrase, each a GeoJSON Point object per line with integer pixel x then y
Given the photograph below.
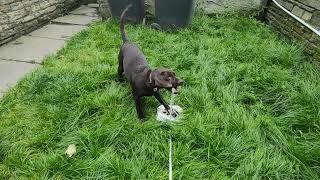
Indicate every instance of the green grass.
{"type": "Point", "coordinates": [251, 108]}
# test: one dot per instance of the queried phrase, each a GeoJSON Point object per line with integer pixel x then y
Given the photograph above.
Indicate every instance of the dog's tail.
{"type": "Point", "coordinates": [122, 19]}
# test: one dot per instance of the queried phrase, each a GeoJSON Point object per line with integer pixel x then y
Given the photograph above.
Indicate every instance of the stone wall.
{"type": "Point", "coordinates": [18, 17]}
{"type": "Point", "coordinates": [309, 11]}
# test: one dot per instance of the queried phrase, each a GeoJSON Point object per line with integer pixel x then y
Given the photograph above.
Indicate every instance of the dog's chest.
{"type": "Point", "coordinates": [141, 88]}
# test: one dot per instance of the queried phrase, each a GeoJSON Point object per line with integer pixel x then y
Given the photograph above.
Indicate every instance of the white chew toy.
{"type": "Point", "coordinates": [163, 115]}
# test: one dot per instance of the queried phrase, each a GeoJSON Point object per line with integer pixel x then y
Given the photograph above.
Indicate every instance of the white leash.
{"type": "Point", "coordinates": [170, 157]}
{"type": "Point", "coordinates": [170, 142]}
{"type": "Point", "coordinates": [163, 117]}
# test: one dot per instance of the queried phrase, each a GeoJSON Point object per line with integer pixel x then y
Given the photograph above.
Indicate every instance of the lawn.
{"type": "Point", "coordinates": [251, 108]}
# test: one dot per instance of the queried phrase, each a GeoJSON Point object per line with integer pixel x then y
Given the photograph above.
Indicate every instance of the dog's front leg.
{"type": "Point", "coordinates": [139, 108]}
{"type": "Point", "coordinates": [161, 100]}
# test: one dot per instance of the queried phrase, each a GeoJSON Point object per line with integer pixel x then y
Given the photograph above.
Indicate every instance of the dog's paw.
{"type": "Point", "coordinates": [120, 79]}
{"type": "Point", "coordinates": [173, 113]}
{"type": "Point", "coordinates": [142, 117]}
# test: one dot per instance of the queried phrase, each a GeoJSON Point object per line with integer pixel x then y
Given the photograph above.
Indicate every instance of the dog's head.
{"type": "Point", "coordinates": [166, 78]}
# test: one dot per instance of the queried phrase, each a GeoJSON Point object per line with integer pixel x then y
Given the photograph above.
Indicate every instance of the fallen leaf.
{"type": "Point", "coordinates": [71, 150]}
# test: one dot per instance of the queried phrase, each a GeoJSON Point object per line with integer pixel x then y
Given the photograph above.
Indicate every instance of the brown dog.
{"type": "Point", "coordinates": [143, 80]}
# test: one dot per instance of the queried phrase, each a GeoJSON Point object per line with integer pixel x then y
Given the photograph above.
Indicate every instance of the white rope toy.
{"type": "Point", "coordinates": [164, 116]}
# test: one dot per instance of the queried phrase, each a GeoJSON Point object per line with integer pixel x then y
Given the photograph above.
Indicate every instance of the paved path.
{"type": "Point", "coordinates": [26, 53]}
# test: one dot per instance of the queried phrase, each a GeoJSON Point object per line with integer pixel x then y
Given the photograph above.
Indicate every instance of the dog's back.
{"type": "Point", "coordinates": [134, 62]}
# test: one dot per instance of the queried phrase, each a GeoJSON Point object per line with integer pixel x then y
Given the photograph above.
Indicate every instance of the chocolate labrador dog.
{"type": "Point", "coordinates": [143, 80]}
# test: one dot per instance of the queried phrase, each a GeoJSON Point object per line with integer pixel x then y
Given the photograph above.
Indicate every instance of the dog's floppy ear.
{"type": "Point", "coordinates": [160, 78]}
{"type": "Point", "coordinates": [161, 82]}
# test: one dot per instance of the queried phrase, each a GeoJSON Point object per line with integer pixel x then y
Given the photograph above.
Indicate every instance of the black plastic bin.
{"type": "Point", "coordinates": [174, 13]}
{"type": "Point", "coordinates": [135, 14]}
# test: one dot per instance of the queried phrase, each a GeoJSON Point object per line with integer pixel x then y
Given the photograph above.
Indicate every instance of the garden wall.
{"type": "Point", "coordinates": [308, 10]}
{"type": "Point", "coordinates": [18, 17]}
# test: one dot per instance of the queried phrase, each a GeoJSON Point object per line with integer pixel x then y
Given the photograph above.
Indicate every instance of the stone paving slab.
{"type": "Point", "coordinates": [85, 10]}
{"type": "Point", "coordinates": [76, 19]}
{"type": "Point", "coordinates": [58, 31]}
{"type": "Point", "coordinates": [30, 49]}
{"type": "Point", "coordinates": [35, 46]}
{"type": "Point", "coordinates": [11, 72]}
{"type": "Point", "coordinates": [93, 5]}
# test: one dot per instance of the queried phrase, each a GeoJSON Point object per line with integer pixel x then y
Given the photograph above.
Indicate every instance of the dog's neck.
{"type": "Point", "coordinates": [150, 77]}
{"type": "Point", "coordinates": [150, 81]}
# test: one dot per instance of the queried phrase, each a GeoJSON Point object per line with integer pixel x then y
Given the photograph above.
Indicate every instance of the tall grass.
{"type": "Point", "coordinates": [251, 108]}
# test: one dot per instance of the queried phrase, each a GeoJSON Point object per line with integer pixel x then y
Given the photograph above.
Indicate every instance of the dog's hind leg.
{"type": "Point", "coordinates": [120, 66]}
